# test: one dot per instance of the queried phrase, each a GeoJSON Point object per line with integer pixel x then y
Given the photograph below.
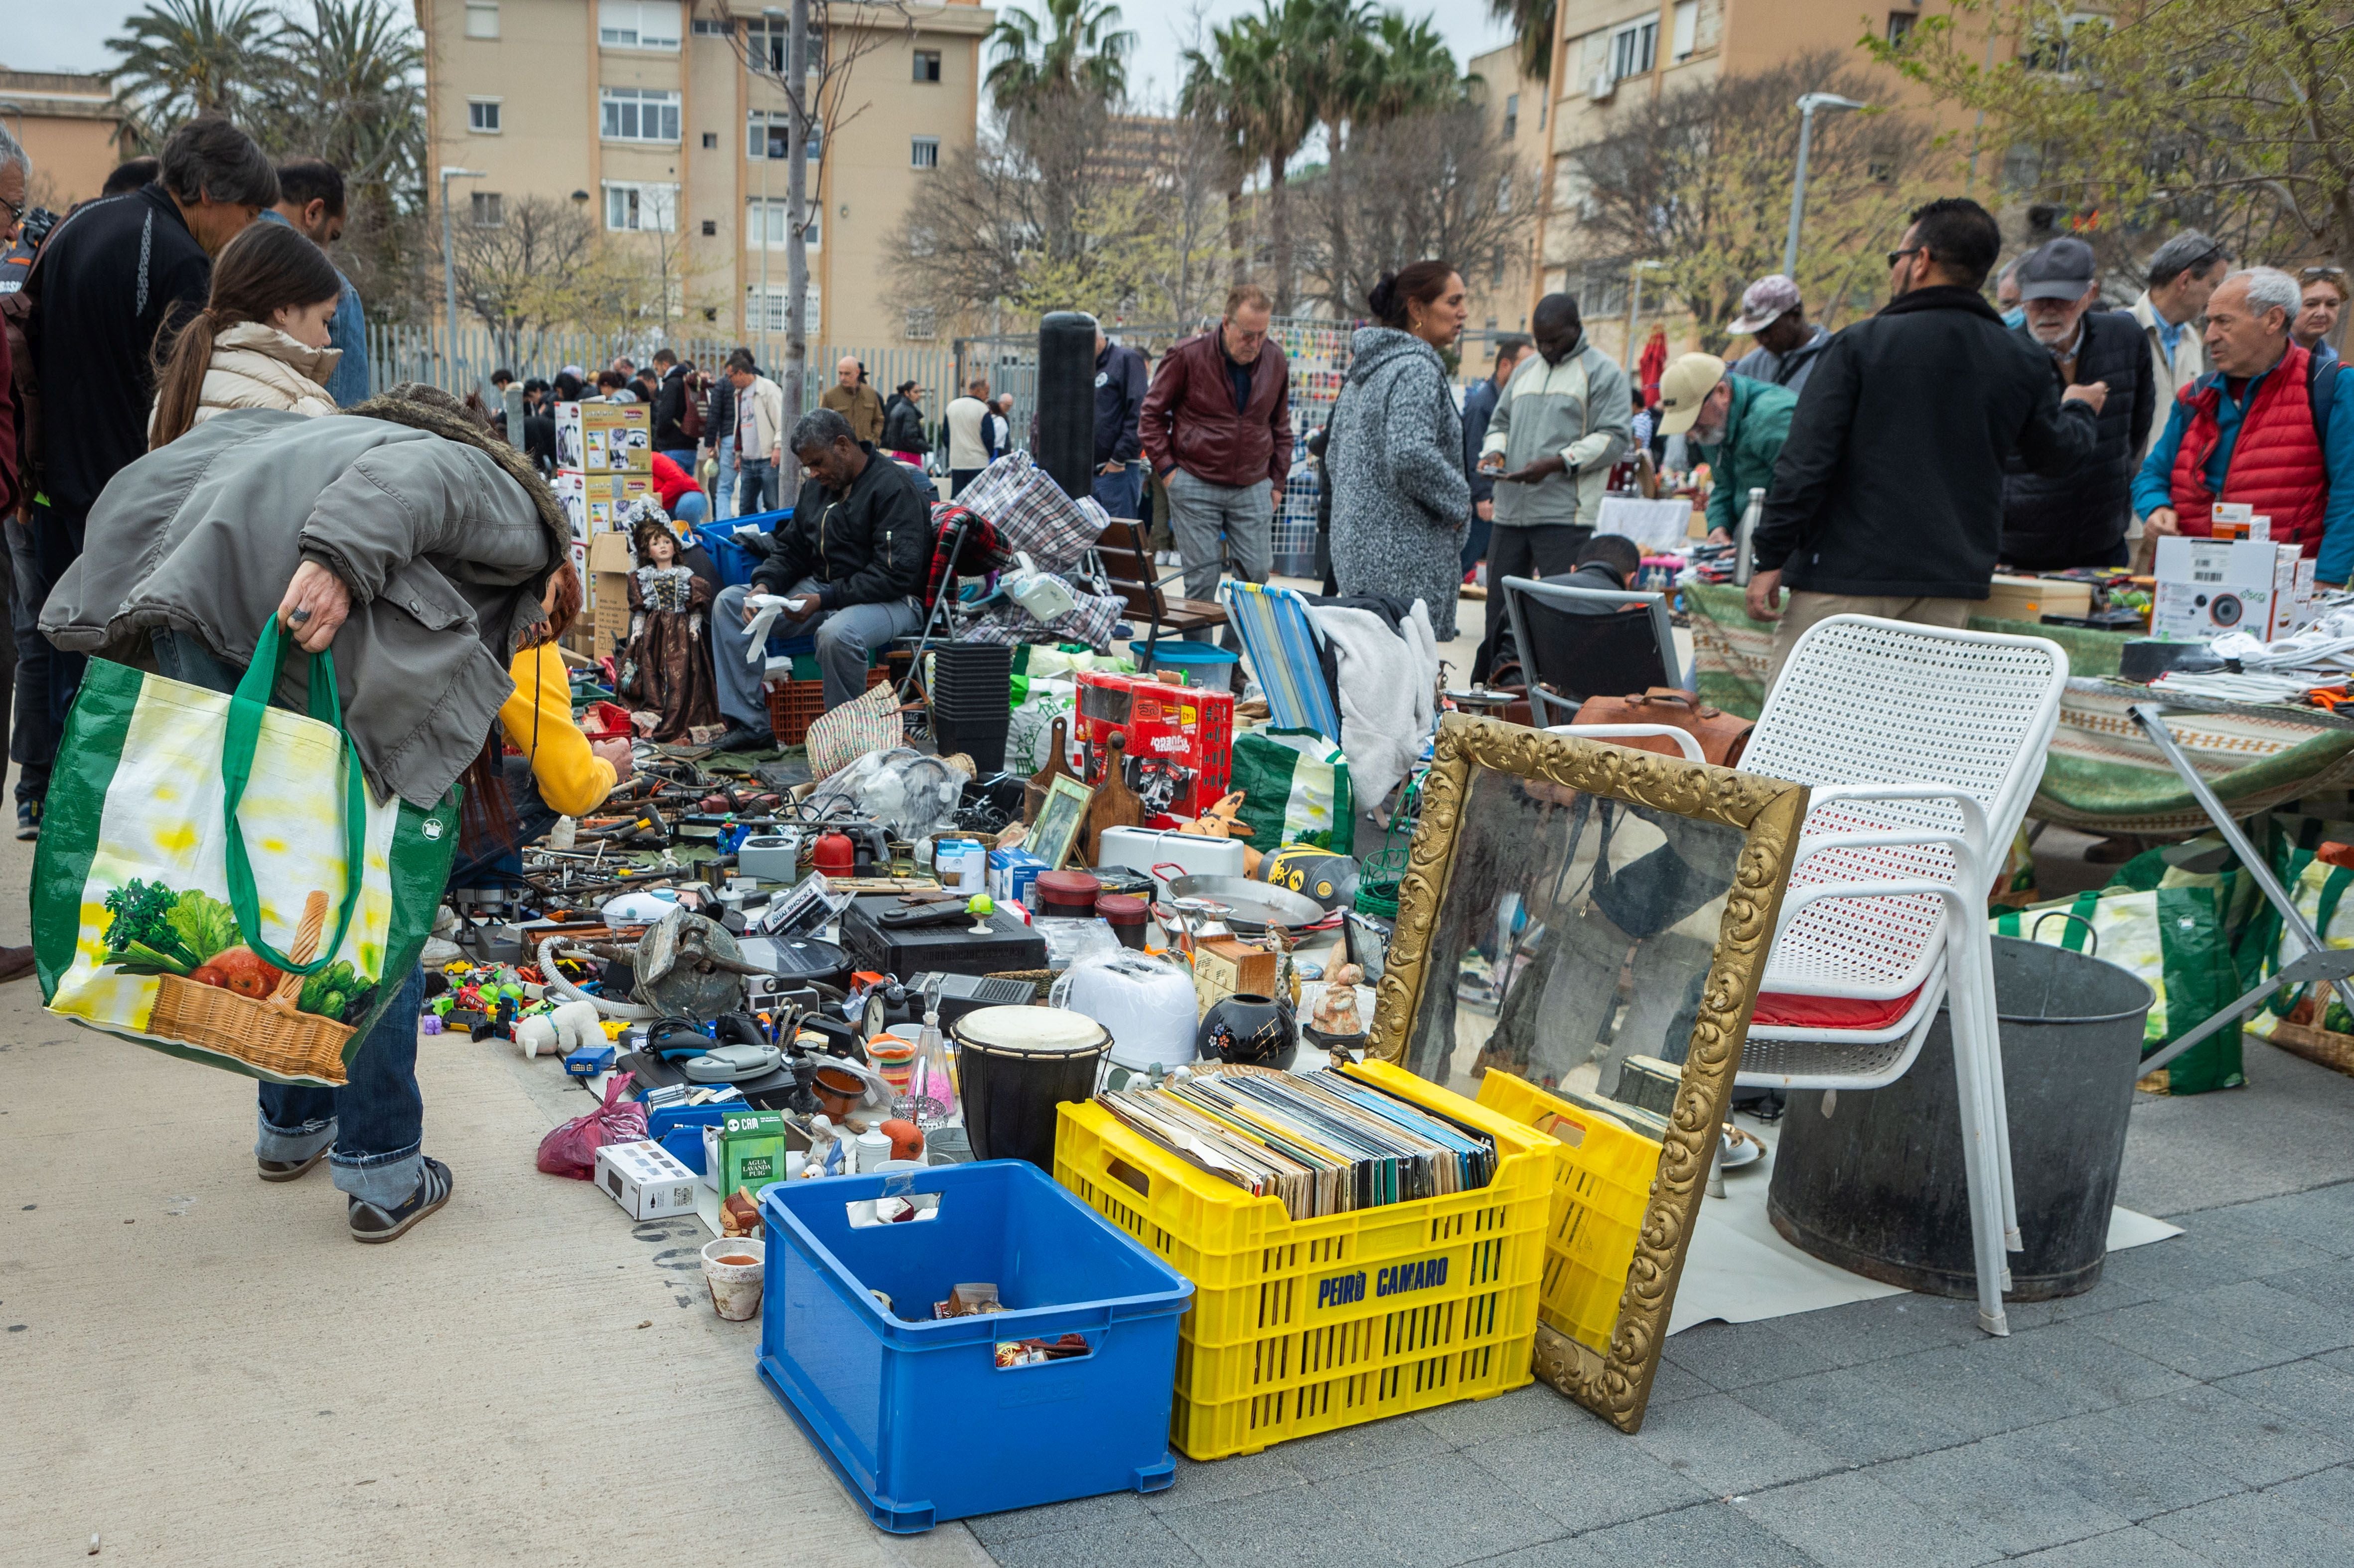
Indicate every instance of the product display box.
{"type": "Point", "coordinates": [605, 437]}
{"type": "Point", "coordinates": [2207, 587]}
{"type": "Point", "coordinates": [593, 503]}
{"type": "Point", "coordinates": [1180, 739]}
{"type": "Point", "coordinates": [645, 1178]}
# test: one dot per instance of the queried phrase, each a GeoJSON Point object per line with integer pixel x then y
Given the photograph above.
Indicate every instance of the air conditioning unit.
{"type": "Point", "coordinates": [1601, 88]}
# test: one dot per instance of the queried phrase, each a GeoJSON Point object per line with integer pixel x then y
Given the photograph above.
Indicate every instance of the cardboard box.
{"type": "Point", "coordinates": [2033, 598]}
{"type": "Point", "coordinates": [593, 503]}
{"type": "Point", "coordinates": [750, 1149]}
{"type": "Point", "coordinates": [605, 437]}
{"type": "Point", "coordinates": [608, 584]}
{"type": "Point", "coordinates": [645, 1178]}
{"type": "Point", "coordinates": [1180, 739]}
{"type": "Point", "coordinates": [2207, 587]}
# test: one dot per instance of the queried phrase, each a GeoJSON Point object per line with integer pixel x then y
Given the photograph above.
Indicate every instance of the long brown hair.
{"type": "Point", "coordinates": [264, 269]}
{"type": "Point", "coordinates": [564, 601]}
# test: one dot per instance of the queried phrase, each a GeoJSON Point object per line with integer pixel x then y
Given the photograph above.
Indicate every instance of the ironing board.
{"type": "Point", "coordinates": [1280, 642]}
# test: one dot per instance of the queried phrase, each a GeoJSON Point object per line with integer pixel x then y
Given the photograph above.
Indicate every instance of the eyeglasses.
{"type": "Point", "coordinates": [1896, 256]}
{"type": "Point", "coordinates": [16, 213]}
{"type": "Point", "coordinates": [2323, 275]}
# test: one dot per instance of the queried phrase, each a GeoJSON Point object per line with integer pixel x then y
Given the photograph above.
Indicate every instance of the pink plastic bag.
{"type": "Point", "coordinates": [571, 1150]}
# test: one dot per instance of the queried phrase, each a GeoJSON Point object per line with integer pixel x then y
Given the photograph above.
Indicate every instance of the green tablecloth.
{"type": "Point", "coordinates": [2101, 775]}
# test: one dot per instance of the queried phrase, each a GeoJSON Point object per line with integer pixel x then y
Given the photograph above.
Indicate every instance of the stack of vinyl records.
{"type": "Point", "coordinates": [972, 701]}
{"type": "Point", "coordinates": [1326, 1142]}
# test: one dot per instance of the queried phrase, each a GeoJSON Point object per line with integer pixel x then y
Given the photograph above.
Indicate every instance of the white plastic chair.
{"type": "Point", "coordinates": [1922, 748]}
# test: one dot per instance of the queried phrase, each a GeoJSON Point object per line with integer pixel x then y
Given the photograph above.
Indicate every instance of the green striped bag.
{"type": "Point", "coordinates": [1295, 786]}
{"type": "Point", "coordinates": [215, 879]}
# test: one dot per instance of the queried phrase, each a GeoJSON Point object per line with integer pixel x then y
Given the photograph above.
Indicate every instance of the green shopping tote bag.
{"type": "Point", "coordinates": [215, 880]}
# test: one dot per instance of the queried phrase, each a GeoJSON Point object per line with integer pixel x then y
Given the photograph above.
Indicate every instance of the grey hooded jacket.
{"type": "Point", "coordinates": [444, 535]}
{"type": "Point", "coordinates": [1395, 452]}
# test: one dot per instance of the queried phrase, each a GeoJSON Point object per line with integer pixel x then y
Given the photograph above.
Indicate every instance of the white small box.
{"type": "Point", "coordinates": [645, 1178]}
{"type": "Point", "coordinates": [2209, 586]}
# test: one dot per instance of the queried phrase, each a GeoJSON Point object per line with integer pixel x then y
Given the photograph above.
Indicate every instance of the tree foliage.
{"type": "Point", "coordinates": [1427, 185]}
{"type": "Point", "coordinates": [2237, 115]}
{"type": "Point", "coordinates": [1080, 50]}
{"type": "Point", "coordinates": [1699, 182]}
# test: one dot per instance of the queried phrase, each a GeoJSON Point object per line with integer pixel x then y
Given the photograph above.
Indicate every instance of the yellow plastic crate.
{"type": "Point", "coordinates": [1602, 1177]}
{"type": "Point", "coordinates": [1299, 1326]}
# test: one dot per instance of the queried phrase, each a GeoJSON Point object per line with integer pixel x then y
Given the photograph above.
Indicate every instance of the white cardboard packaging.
{"type": "Point", "coordinates": [645, 1178]}
{"type": "Point", "coordinates": [2209, 586]}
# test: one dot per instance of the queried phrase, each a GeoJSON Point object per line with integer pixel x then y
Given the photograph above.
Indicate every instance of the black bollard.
{"type": "Point", "coordinates": [1066, 400]}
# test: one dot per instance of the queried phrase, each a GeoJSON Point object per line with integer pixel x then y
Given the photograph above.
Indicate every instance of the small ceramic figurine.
{"type": "Point", "coordinates": [1336, 1011]}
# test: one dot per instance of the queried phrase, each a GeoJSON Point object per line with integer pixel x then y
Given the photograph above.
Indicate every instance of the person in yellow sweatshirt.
{"type": "Point", "coordinates": [559, 772]}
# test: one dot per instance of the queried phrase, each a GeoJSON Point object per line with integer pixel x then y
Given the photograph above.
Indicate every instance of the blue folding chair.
{"type": "Point", "coordinates": [1281, 642]}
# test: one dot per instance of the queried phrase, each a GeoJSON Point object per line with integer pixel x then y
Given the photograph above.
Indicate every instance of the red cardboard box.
{"type": "Point", "coordinates": [1180, 739]}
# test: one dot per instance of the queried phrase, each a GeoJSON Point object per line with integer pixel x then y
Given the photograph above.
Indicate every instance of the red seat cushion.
{"type": "Point", "coordinates": [1783, 1009]}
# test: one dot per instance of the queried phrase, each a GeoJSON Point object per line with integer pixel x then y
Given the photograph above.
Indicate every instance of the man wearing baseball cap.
{"type": "Point", "coordinates": [1738, 426]}
{"type": "Point", "coordinates": [2078, 517]}
{"type": "Point", "coordinates": [1787, 343]}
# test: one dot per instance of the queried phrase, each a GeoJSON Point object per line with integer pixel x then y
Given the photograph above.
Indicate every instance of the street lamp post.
{"type": "Point", "coordinates": [1806, 107]}
{"type": "Point", "coordinates": [450, 272]}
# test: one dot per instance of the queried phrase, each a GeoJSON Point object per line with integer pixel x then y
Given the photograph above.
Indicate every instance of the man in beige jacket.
{"type": "Point", "coordinates": [2184, 273]}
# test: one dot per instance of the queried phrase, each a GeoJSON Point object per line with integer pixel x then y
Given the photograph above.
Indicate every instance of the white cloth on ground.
{"type": "Point", "coordinates": [1388, 681]}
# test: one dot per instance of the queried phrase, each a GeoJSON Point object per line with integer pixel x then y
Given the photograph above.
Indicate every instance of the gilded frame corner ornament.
{"type": "Point", "coordinates": [1616, 1386]}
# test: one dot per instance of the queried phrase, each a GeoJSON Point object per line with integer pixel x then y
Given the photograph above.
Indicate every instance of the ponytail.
{"type": "Point", "coordinates": [180, 379]}
{"type": "Point", "coordinates": [1418, 282]}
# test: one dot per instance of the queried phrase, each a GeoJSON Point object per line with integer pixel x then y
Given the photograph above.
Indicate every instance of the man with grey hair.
{"type": "Point", "coordinates": [850, 563]}
{"type": "Point", "coordinates": [2268, 427]}
{"type": "Point", "coordinates": [2182, 273]}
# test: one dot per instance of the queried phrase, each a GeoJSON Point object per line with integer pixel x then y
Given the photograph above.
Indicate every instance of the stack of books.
{"type": "Point", "coordinates": [1326, 1142]}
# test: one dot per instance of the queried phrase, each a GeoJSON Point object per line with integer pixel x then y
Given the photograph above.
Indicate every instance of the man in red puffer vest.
{"type": "Point", "coordinates": [2267, 426]}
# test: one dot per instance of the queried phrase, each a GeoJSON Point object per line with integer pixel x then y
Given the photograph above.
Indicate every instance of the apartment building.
{"type": "Point", "coordinates": [1518, 110]}
{"type": "Point", "coordinates": [1608, 54]}
{"type": "Point", "coordinates": [667, 119]}
{"type": "Point", "coordinates": [71, 128]}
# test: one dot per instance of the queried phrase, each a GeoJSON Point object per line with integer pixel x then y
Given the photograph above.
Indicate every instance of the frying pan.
{"type": "Point", "coordinates": [1256, 905]}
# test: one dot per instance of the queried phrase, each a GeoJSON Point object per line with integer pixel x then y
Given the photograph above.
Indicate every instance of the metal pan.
{"type": "Point", "coordinates": [1256, 905]}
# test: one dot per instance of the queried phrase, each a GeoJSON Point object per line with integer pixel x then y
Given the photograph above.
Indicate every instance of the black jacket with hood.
{"type": "Point", "coordinates": [1890, 483]}
{"type": "Point", "coordinates": [870, 545]}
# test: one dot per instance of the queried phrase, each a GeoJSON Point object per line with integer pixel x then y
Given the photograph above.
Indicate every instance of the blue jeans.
{"type": "Point", "coordinates": [33, 739]}
{"type": "Point", "coordinates": [683, 455]}
{"type": "Point", "coordinates": [1119, 493]}
{"type": "Point", "coordinates": [845, 637]}
{"type": "Point", "coordinates": [723, 497]}
{"type": "Point", "coordinates": [693, 506]}
{"type": "Point", "coordinates": [758, 486]}
{"type": "Point", "coordinates": [57, 544]}
{"type": "Point", "coordinates": [376, 1122]}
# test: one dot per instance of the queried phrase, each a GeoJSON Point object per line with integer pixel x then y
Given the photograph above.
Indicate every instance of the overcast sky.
{"type": "Point", "coordinates": [73, 37]}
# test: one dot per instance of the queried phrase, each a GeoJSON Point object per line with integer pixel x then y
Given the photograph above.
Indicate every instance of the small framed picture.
{"type": "Point", "coordinates": [1060, 818]}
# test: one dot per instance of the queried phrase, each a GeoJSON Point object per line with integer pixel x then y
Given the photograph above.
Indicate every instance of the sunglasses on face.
{"type": "Point", "coordinates": [1896, 256]}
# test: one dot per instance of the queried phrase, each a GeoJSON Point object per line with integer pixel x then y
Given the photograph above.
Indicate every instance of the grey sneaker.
{"type": "Point", "coordinates": [372, 1223]}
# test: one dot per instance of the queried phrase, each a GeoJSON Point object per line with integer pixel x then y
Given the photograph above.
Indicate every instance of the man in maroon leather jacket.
{"type": "Point", "coordinates": [1217, 429]}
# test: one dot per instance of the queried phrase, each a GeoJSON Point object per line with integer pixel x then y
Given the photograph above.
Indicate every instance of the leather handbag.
{"type": "Point", "coordinates": [1722, 736]}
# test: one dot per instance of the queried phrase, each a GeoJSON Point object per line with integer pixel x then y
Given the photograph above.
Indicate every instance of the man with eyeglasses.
{"type": "Point", "coordinates": [1887, 498]}
{"type": "Point", "coordinates": [2321, 301]}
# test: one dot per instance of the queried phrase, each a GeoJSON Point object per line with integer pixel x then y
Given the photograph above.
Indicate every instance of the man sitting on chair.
{"type": "Point", "coordinates": [1610, 562]}
{"type": "Point", "coordinates": [852, 561]}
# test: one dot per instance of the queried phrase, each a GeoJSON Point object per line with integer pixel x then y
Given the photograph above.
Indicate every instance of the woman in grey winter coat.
{"type": "Point", "coordinates": [1395, 452]}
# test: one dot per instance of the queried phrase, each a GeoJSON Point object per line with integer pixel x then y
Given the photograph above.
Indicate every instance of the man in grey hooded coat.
{"type": "Point", "coordinates": [416, 544]}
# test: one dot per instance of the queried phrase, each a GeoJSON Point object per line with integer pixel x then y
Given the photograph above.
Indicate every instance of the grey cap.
{"type": "Point", "coordinates": [2062, 269]}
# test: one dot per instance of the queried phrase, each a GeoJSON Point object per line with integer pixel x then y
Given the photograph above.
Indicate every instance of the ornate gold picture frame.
{"type": "Point", "coordinates": [1768, 812]}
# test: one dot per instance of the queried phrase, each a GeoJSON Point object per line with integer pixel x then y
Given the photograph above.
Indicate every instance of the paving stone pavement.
{"type": "Point", "coordinates": [2195, 1407]}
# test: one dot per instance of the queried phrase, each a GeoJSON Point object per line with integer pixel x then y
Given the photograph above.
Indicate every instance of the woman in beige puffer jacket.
{"type": "Point", "coordinates": [260, 342]}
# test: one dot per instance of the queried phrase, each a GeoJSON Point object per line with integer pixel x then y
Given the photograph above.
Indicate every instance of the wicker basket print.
{"type": "Point", "coordinates": [272, 1032]}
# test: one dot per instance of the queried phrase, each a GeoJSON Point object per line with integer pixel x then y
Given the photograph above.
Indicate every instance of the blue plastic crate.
{"type": "Point", "coordinates": [919, 1422]}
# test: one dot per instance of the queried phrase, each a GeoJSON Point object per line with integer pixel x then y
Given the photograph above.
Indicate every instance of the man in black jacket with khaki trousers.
{"type": "Point", "coordinates": [1888, 499]}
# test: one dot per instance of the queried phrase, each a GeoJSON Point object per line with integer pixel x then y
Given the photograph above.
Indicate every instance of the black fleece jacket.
{"type": "Point", "coordinates": [869, 545]}
{"type": "Point", "coordinates": [1891, 480]}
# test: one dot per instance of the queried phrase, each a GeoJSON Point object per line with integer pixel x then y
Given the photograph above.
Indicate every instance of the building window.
{"type": "Point", "coordinates": [1687, 29]}
{"type": "Point", "coordinates": [924, 152]}
{"type": "Point", "coordinates": [482, 115]}
{"type": "Point", "coordinates": [710, 140]}
{"type": "Point", "coordinates": [927, 64]}
{"type": "Point", "coordinates": [765, 41]}
{"type": "Point", "coordinates": [481, 19]}
{"type": "Point", "coordinates": [1511, 116]}
{"type": "Point", "coordinates": [714, 27]}
{"type": "Point", "coordinates": [639, 114]}
{"type": "Point", "coordinates": [772, 319]}
{"type": "Point", "coordinates": [1496, 277]}
{"type": "Point", "coordinates": [923, 324]}
{"type": "Point", "coordinates": [2054, 46]}
{"type": "Point", "coordinates": [1503, 192]}
{"type": "Point", "coordinates": [1880, 172]}
{"type": "Point", "coordinates": [488, 210]}
{"type": "Point", "coordinates": [1899, 27]}
{"type": "Point", "coordinates": [768, 221]}
{"type": "Point", "coordinates": [641, 206]}
{"type": "Point", "coordinates": [638, 23]}
{"type": "Point", "coordinates": [710, 228]}
{"type": "Point", "coordinates": [765, 131]}
{"type": "Point", "coordinates": [1634, 49]}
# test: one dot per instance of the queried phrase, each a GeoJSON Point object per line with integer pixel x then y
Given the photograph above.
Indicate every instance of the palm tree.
{"type": "Point", "coordinates": [1207, 98]}
{"type": "Point", "coordinates": [1532, 24]}
{"type": "Point", "coordinates": [1081, 48]}
{"type": "Point", "coordinates": [184, 58]}
{"type": "Point", "coordinates": [1268, 68]}
{"type": "Point", "coordinates": [347, 91]}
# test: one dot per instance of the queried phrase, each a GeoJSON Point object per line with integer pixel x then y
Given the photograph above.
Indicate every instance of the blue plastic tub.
{"type": "Point", "coordinates": [1201, 663]}
{"type": "Point", "coordinates": [920, 1423]}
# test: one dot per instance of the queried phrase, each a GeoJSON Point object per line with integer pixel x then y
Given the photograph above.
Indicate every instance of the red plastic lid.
{"type": "Point", "coordinates": [1067, 886]}
{"type": "Point", "coordinates": [1121, 909]}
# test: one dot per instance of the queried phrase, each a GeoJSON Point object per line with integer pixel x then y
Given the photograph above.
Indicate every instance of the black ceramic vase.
{"type": "Point", "coordinates": [1249, 1030]}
